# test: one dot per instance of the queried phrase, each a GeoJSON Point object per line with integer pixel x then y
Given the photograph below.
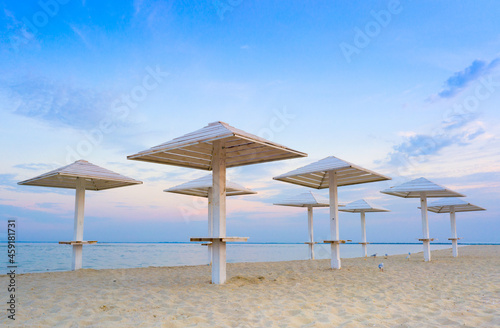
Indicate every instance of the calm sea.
{"type": "Point", "coordinates": [43, 257]}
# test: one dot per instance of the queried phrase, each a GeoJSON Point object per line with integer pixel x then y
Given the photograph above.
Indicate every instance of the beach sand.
{"type": "Point", "coordinates": [463, 291]}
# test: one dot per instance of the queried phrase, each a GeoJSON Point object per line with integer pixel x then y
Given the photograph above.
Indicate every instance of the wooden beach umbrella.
{"type": "Point", "coordinates": [216, 147]}
{"type": "Point", "coordinates": [362, 206]}
{"type": "Point", "coordinates": [423, 189]}
{"type": "Point", "coordinates": [331, 172]}
{"type": "Point", "coordinates": [453, 205]}
{"type": "Point", "coordinates": [202, 187]}
{"type": "Point", "coordinates": [308, 200]}
{"type": "Point", "coordinates": [81, 176]}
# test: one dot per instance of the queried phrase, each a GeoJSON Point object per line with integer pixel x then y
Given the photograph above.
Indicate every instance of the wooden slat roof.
{"type": "Point", "coordinates": [305, 200]}
{"type": "Point", "coordinates": [362, 206]}
{"type": "Point", "coordinates": [199, 187]}
{"type": "Point", "coordinates": [314, 175]}
{"type": "Point", "coordinates": [459, 205]}
{"type": "Point", "coordinates": [194, 150]}
{"type": "Point", "coordinates": [96, 177]}
{"type": "Point", "coordinates": [413, 189]}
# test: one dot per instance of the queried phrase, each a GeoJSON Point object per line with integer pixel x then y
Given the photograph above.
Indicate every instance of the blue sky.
{"type": "Point", "coordinates": [405, 88]}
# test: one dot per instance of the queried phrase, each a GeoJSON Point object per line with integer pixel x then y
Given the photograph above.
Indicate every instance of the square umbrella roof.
{"type": "Point", "coordinates": [459, 205]}
{"type": "Point", "coordinates": [362, 206]}
{"type": "Point", "coordinates": [96, 177]}
{"type": "Point", "coordinates": [199, 187]}
{"type": "Point", "coordinates": [194, 150]}
{"type": "Point", "coordinates": [307, 199]}
{"type": "Point", "coordinates": [315, 175]}
{"type": "Point", "coordinates": [414, 188]}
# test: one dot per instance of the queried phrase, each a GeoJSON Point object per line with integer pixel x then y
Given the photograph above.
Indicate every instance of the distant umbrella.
{"type": "Point", "coordinates": [330, 172]}
{"type": "Point", "coordinates": [81, 176]}
{"type": "Point", "coordinates": [362, 206]}
{"type": "Point", "coordinates": [423, 189]}
{"type": "Point", "coordinates": [381, 266]}
{"type": "Point", "coordinates": [453, 205]}
{"type": "Point", "coordinates": [203, 187]}
{"type": "Point", "coordinates": [309, 200]}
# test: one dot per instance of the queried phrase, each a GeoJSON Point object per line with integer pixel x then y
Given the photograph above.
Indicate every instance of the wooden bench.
{"type": "Point", "coordinates": [311, 243]}
{"type": "Point", "coordinates": [334, 241]}
{"type": "Point", "coordinates": [454, 238]}
{"type": "Point", "coordinates": [220, 239]}
{"type": "Point", "coordinates": [426, 239]}
{"type": "Point", "coordinates": [78, 242]}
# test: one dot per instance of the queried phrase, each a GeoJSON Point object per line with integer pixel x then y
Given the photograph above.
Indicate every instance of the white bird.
{"type": "Point", "coordinates": [374, 255]}
{"type": "Point", "coordinates": [381, 266]}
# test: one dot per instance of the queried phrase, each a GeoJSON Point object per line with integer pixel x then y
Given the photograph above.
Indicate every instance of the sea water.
{"type": "Point", "coordinates": [43, 257]}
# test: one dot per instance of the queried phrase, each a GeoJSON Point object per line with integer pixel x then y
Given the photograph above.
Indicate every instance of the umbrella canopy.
{"type": "Point", "coordinates": [216, 147]}
{"type": "Point", "coordinates": [95, 177]}
{"type": "Point", "coordinates": [195, 150]}
{"type": "Point", "coordinates": [315, 174]}
{"type": "Point", "coordinates": [200, 188]}
{"type": "Point", "coordinates": [458, 205]}
{"type": "Point", "coordinates": [362, 206]}
{"type": "Point", "coordinates": [307, 199]}
{"type": "Point", "coordinates": [331, 172]}
{"type": "Point", "coordinates": [423, 189]}
{"type": "Point", "coordinates": [81, 176]}
{"type": "Point", "coordinates": [415, 188]}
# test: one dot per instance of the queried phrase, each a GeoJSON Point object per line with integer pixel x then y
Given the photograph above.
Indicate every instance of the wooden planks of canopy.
{"type": "Point", "coordinates": [80, 175]}
{"type": "Point", "coordinates": [196, 149]}
{"type": "Point", "coordinates": [423, 189]}
{"type": "Point", "coordinates": [201, 187]}
{"type": "Point", "coordinates": [216, 147]}
{"type": "Point", "coordinates": [452, 206]}
{"type": "Point", "coordinates": [315, 175]}
{"type": "Point", "coordinates": [362, 206]}
{"type": "Point", "coordinates": [331, 172]}
{"type": "Point", "coordinates": [94, 177]}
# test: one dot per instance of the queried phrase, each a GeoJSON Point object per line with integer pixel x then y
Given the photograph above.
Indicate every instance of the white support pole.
{"type": "Point", "coordinates": [334, 220]}
{"type": "Point", "coordinates": [363, 234]}
{"type": "Point", "coordinates": [219, 212]}
{"type": "Point", "coordinates": [425, 228]}
{"type": "Point", "coordinates": [210, 222]}
{"type": "Point", "coordinates": [454, 241]}
{"type": "Point", "coordinates": [311, 231]}
{"type": "Point", "coordinates": [78, 226]}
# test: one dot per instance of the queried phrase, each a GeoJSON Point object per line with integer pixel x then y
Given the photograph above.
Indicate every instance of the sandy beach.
{"type": "Point", "coordinates": [463, 291]}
